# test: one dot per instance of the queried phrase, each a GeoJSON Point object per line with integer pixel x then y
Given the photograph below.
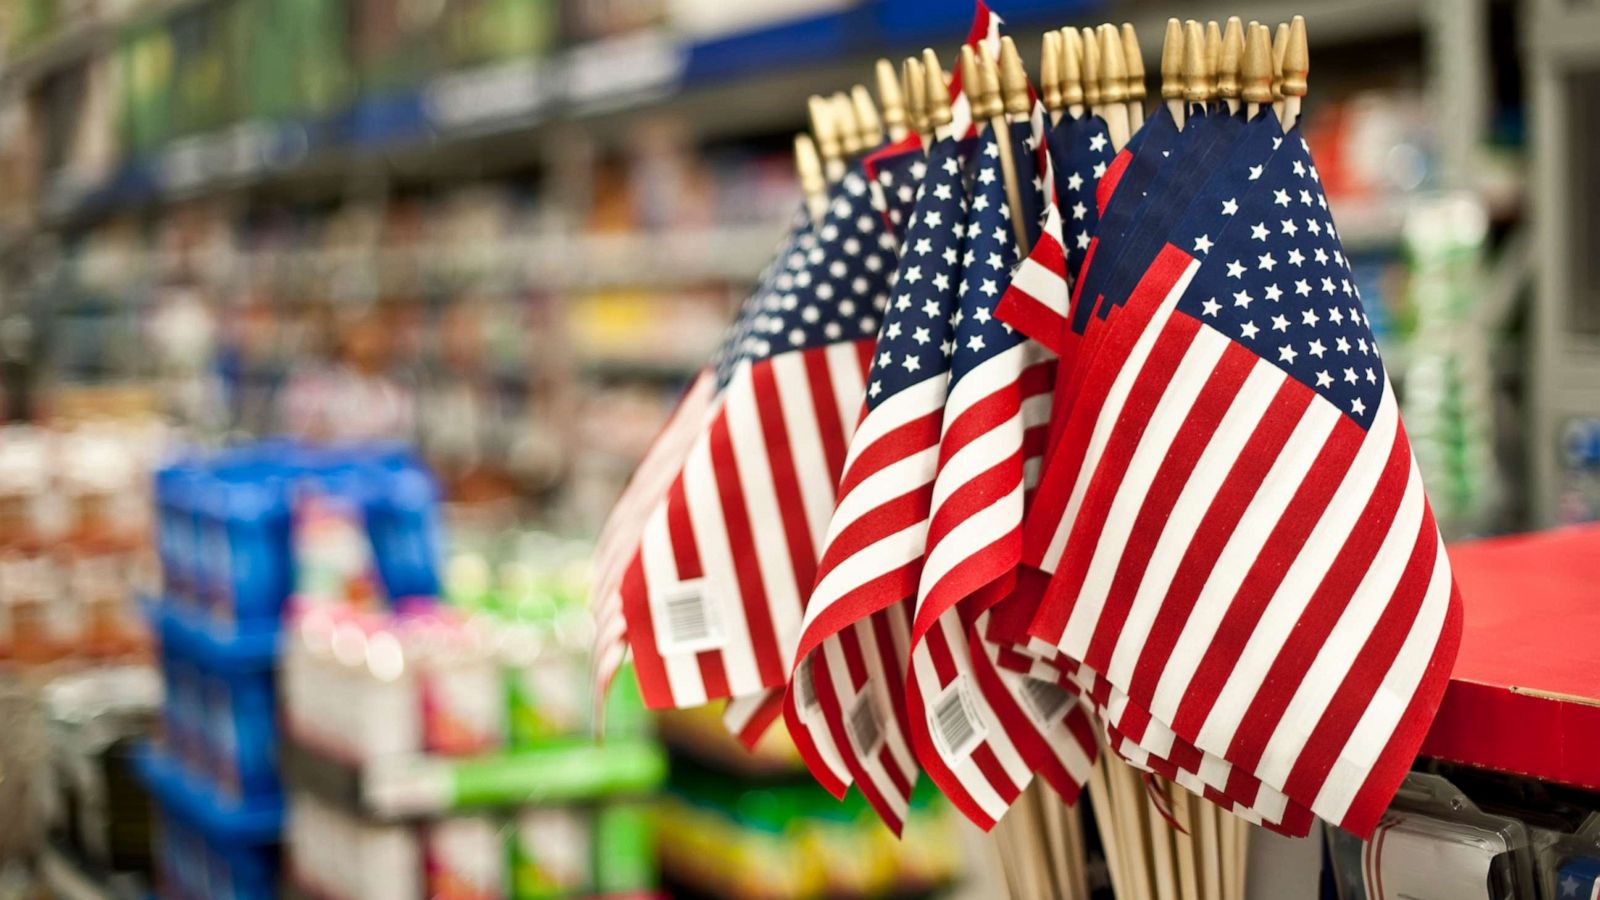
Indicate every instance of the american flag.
{"type": "Point", "coordinates": [980, 732]}
{"type": "Point", "coordinates": [1250, 555]}
{"type": "Point", "coordinates": [847, 702]}
{"type": "Point", "coordinates": [1036, 303]}
{"type": "Point", "coordinates": [713, 598]}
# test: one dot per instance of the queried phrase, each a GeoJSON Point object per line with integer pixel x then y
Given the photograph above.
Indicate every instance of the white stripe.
{"type": "Point", "coordinates": [1312, 561]}
{"type": "Point", "coordinates": [784, 597]}
{"type": "Point", "coordinates": [849, 389]}
{"type": "Point", "coordinates": [816, 483]}
{"type": "Point", "coordinates": [1211, 469]}
{"type": "Point", "coordinates": [716, 559]}
{"type": "Point", "coordinates": [893, 740]}
{"type": "Point", "coordinates": [1337, 655]}
{"type": "Point", "coordinates": [976, 457]}
{"type": "Point", "coordinates": [876, 559]}
{"type": "Point", "coordinates": [897, 479]}
{"type": "Point", "coordinates": [1272, 496]}
{"type": "Point", "coordinates": [993, 374]}
{"type": "Point", "coordinates": [1177, 400]}
{"type": "Point", "coordinates": [974, 533]}
{"type": "Point", "coordinates": [1115, 398]}
{"type": "Point", "coordinates": [1383, 713]}
{"type": "Point", "coordinates": [660, 574]}
{"type": "Point", "coordinates": [914, 402]}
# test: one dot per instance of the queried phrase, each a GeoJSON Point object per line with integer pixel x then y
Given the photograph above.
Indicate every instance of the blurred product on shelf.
{"type": "Point", "coordinates": [98, 813]}
{"type": "Point", "coordinates": [74, 526]}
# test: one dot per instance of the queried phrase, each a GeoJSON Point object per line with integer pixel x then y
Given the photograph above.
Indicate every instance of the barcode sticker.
{"type": "Point", "coordinates": [807, 688]}
{"type": "Point", "coordinates": [686, 620]}
{"type": "Point", "coordinates": [955, 721]}
{"type": "Point", "coordinates": [1045, 699]}
{"type": "Point", "coordinates": [866, 724]}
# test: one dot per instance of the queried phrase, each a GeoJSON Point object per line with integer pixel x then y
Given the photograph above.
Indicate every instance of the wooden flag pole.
{"type": "Point", "coordinates": [1134, 60]}
{"type": "Point", "coordinates": [1172, 70]}
{"type": "Point", "coordinates": [892, 99]}
{"type": "Point", "coordinates": [1296, 68]}
{"type": "Point", "coordinates": [1114, 86]}
{"type": "Point", "coordinates": [815, 185]}
{"type": "Point", "coordinates": [1072, 89]}
{"type": "Point", "coordinates": [870, 125]}
{"type": "Point", "coordinates": [988, 104]}
{"type": "Point", "coordinates": [1162, 859]}
{"type": "Point", "coordinates": [1228, 87]}
{"type": "Point", "coordinates": [1184, 810]}
{"type": "Point", "coordinates": [1107, 818]}
{"type": "Point", "coordinates": [827, 134]}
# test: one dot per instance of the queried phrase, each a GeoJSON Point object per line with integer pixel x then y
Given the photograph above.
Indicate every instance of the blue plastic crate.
{"type": "Point", "coordinates": [208, 846]}
{"type": "Point", "coordinates": [220, 711]}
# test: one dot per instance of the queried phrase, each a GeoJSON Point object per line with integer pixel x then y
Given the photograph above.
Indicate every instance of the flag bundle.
{"type": "Point", "coordinates": [1054, 427]}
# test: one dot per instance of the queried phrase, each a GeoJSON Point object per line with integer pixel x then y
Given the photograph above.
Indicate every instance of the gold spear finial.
{"type": "Point", "coordinates": [937, 90]}
{"type": "Point", "coordinates": [1172, 61]}
{"type": "Point", "coordinates": [844, 114]}
{"type": "Point", "coordinates": [1013, 80]}
{"type": "Point", "coordinates": [1091, 67]}
{"type": "Point", "coordinates": [892, 99]}
{"type": "Point", "coordinates": [1258, 66]}
{"type": "Point", "coordinates": [1296, 59]}
{"type": "Point", "coordinates": [867, 120]}
{"type": "Point", "coordinates": [824, 127]}
{"type": "Point", "coordinates": [1134, 61]}
{"type": "Point", "coordinates": [812, 182]}
{"type": "Point", "coordinates": [1232, 56]}
{"type": "Point", "coordinates": [1196, 86]}
{"type": "Point", "coordinates": [971, 81]}
{"type": "Point", "coordinates": [1213, 54]}
{"type": "Point", "coordinates": [1071, 67]}
{"type": "Point", "coordinates": [989, 77]}
{"type": "Point", "coordinates": [1280, 43]}
{"type": "Point", "coordinates": [1113, 68]}
{"type": "Point", "coordinates": [1050, 70]}
{"type": "Point", "coordinates": [916, 84]}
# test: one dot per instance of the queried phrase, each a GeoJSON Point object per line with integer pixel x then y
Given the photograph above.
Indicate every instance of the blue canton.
{"type": "Point", "coordinates": [1080, 151]}
{"type": "Point", "coordinates": [831, 287]}
{"type": "Point", "coordinates": [1275, 279]}
{"type": "Point", "coordinates": [991, 253]}
{"type": "Point", "coordinates": [915, 343]}
{"type": "Point", "coordinates": [895, 186]}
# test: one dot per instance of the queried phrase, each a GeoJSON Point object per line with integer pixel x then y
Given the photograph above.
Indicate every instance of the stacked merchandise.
{"type": "Point", "coordinates": [74, 523]}
{"type": "Point", "coordinates": [238, 532]}
{"type": "Point", "coordinates": [444, 749]}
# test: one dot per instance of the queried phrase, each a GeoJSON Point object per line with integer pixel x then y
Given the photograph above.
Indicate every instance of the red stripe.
{"type": "Point", "coordinates": [891, 658]}
{"type": "Point", "coordinates": [1109, 181]}
{"type": "Point", "coordinates": [1215, 529]}
{"type": "Point", "coordinates": [854, 660]}
{"type": "Point", "coordinates": [1132, 418]}
{"type": "Point", "coordinates": [1063, 464]}
{"type": "Point", "coordinates": [741, 545]}
{"type": "Point", "coordinates": [888, 518]}
{"type": "Point", "coordinates": [680, 530]}
{"type": "Point", "coordinates": [896, 444]}
{"type": "Point", "coordinates": [1278, 551]}
{"type": "Point", "coordinates": [1367, 671]}
{"type": "Point", "coordinates": [1397, 756]}
{"type": "Point", "coordinates": [654, 686]}
{"type": "Point", "coordinates": [789, 496]}
{"type": "Point", "coordinates": [761, 720]}
{"type": "Point", "coordinates": [825, 407]}
{"type": "Point", "coordinates": [1322, 612]}
{"type": "Point", "coordinates": [1220, 390]}
{"type": "Point", "coordinates": [997, 408]}
{"type": "Point", "coordinates": [898, 779]}
{"type": "Point", "coordinates": [983, 566]}
{"type": "Point", "coordinates": [944, 665]}
{"type": "Point", "coordinates": [989, 766]}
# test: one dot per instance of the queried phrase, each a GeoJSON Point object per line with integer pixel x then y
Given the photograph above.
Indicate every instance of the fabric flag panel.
{"type": "Point", "coordinates": [857, 627]}
{"type": "Point", "coordinates": [714, 597]}
{"type": "Point", "coordinates": [1296, 616]}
